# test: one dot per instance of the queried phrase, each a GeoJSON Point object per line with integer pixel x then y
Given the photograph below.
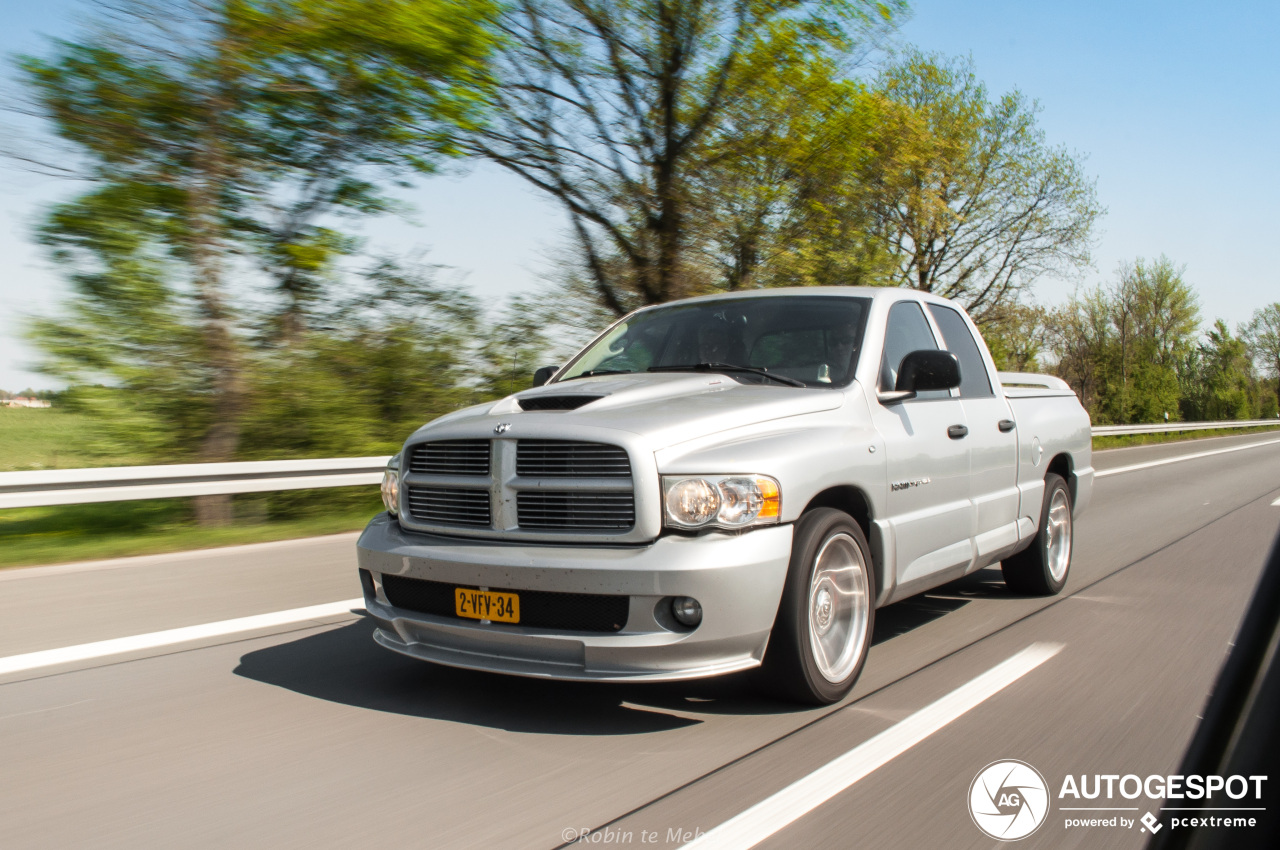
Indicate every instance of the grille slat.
{"type": "Point", "coordinates": [575, 510]}
{"type": "Point", "coordinates": [570, 459]}
{"type": "Point", "coordinates": [570, 612]}
{"type": "Point", "coordinates": [455, 507]}
{"type": "Point", "coordinates": [451, 457]}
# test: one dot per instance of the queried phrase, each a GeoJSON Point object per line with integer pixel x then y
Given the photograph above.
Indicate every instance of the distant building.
{"type": "Point", "coordinates": [24, 401]}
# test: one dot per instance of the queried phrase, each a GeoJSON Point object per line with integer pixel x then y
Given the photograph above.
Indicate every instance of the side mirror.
{"type": "Point", "coordinates": [928, 370]}
{"type": "Point", "coordinates": [922, 371]}
{"type": "Point", "coordinates": [544, 374]}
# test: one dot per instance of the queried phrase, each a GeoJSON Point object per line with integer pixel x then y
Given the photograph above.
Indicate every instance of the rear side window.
{"type": "Point", "coordinates": [907, 331]}
{"type": "Point", "coordinates": [958, 339]}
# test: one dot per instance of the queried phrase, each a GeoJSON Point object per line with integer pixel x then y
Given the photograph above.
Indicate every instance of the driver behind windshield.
{"type": "Point", "coordinates": [844, 345]}
{"type": "Point", "coordinates": [718, 343]}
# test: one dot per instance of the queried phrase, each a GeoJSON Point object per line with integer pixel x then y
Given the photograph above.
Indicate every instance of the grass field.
{"type": "Point", "coordinates": [48, 438]}
{"type": "Point", "coordinates": [115, 529]}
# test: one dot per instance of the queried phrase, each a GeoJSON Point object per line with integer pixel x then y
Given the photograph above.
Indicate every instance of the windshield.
{"type": "Point", "coordinates": [810, 339]}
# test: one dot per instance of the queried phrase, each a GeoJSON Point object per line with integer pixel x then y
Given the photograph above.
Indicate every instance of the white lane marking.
{"type": "Point", "coordinates": [116, 646]}
{"type": "Point", "coordinates": [1276, 503]}
{"type": "Point", "coordinates": [803, 796]}
{"type": "Point", "coordinates": [1103, 473]}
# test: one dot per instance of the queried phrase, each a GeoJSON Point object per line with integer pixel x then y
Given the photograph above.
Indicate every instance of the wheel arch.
{"type": "Point", "coordinates": [1063, 465]}
{"type": "Point", "coordinates": [854, 501]}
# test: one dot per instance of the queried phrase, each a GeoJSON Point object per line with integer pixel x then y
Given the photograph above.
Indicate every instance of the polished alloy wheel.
{"type": "Point", "coordinates": [1057, 540]}
{"type": "Point", "coordinates": [839, 606]}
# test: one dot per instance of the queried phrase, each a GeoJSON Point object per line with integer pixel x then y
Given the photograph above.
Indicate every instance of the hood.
{"type": "Point", "coordinates": [663, 408]}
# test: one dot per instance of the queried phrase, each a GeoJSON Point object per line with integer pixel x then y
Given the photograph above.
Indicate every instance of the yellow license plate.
{"type": "Point", "coordinates": [487, 605]}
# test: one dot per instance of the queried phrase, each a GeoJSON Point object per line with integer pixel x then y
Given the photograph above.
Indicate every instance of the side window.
{"type": "Point", "coordinates": [907, 331]}
{"type": "Point", "coordinates": [959, 341]}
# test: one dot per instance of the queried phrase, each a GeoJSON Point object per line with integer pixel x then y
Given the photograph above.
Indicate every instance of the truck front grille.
{"type": "Point", "coordinates": [570, 459]}
{"type": "Point", "coordinates": [582, 511]}
{"type": "Point", "coordinates": [451, 457]}
{"type": "Point", "coordinates": [568, 612]}
{"type": "Point", "coordinates": [450, 507]}
{"type": "Point", "coordinates": [507, 486]}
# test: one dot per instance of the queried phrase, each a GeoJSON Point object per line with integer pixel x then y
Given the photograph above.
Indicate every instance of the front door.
{"type": "Point", "coordinates": [929, 507]}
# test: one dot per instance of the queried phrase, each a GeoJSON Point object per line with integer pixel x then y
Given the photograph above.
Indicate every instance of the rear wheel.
{"type": "Point", "coordinates": [823, 629]}
{"type": "Point", "coordinates": [1041, 569]}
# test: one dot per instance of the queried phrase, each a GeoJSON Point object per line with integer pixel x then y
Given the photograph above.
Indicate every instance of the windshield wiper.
{"type": "Point", "coordinates": [729, 367]}
{"type": "Point", "coordinates": [593, 372]}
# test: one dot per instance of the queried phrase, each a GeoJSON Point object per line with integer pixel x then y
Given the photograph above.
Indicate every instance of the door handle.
{"type": "Point", "coordinates": [1007, 425]}
{"type": "Point", "coordinates": [957, 432]}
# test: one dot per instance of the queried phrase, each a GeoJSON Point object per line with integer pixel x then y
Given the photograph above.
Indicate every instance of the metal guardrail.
{"type": "Point", "coordinates": [125, 483]}
{"type": "Point", "coordinates": [1172, 427]}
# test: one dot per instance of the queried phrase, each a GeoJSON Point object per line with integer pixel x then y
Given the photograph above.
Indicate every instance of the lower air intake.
{"type": "Point", "coordinates": [540, 609]}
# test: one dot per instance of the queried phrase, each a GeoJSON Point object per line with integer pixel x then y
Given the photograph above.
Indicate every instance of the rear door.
{"type": "Point", "coordinates": [992, 440]}
{"type": "Point", "coordinates": [928, 501]}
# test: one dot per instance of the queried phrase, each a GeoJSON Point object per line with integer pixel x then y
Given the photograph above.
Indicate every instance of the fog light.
{"type": "Point", "coordinates": [686, 610]}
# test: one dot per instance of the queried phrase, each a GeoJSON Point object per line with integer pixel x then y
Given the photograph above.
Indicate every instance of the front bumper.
{"type": "Point", "coordinates": [737, 578]}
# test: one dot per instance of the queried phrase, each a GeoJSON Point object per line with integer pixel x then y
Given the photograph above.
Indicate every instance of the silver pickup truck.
{"type": "Point", "coordinates": [724, 483]}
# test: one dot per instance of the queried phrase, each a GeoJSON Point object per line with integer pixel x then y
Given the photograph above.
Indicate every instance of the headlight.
{"type": "Point", "coordinates": [727, 501]}
{"type": "Point", "coordinates": [391, 486]}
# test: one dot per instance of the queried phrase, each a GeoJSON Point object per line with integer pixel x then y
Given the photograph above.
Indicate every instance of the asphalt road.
{"type": "Point", "coordinates": [310, 735]}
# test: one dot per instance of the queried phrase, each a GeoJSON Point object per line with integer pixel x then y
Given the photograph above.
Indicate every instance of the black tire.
{"type": "Point", "coordinates": [790, 664]}
{"type": "Point", "coordinates": [1032, 571]}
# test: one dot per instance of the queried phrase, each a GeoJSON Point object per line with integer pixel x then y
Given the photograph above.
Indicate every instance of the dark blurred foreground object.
{"type": "Point", "coordinates": [1240, 732]}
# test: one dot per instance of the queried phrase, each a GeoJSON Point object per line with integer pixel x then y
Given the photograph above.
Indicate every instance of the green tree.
{"type": "Point", "coordinates": [512, 347]}
{"type": "Point", "coordinates": [1017, 335]}
{"type": "Point", "coordinates": [606, 106]}
{"type": "Point", "coordinates": [780, 194]}
{"type": "Point", "coordinates": [1219, 374]}
{"type": "Point", "coordinates": [971, 201]}
{"type": "Point", "coordinates": [1262, 335]}
{"type": "Point", "coordinates": [1081, 336]}
{"type": "Point", "coordinates": [1125, 348]}
{"type": "Point", "coordinates": [220, 131]}
{"type": "Point", "coordinates": [392, 351]}
{"type": "Point", "coordinates": [919, 180]}
{"type": "Point", "coordinates": [1156, 315]}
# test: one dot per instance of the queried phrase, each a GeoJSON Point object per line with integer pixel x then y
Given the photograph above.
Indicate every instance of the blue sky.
{"type": "Point", "coordinates": [1176, 107]}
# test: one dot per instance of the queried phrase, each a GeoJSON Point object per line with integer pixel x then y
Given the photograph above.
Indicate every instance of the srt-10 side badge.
{"type": "Point", "coordinates": [905, 485]}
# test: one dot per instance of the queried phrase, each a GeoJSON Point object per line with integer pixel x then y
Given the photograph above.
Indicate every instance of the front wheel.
{"type": "Point", "coordinates": [823, 629]}
{"type": "Point", "coordinates": [1041, 568]}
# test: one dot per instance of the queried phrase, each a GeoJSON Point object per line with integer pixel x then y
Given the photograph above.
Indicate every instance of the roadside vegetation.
{"type": "Point", "coordinates": [69, 533]}
{"type": "Point", "coordinates": [52, 438]}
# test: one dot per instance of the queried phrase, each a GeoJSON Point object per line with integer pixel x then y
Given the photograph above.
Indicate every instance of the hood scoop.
{"type": "Point", "coordinates": [556, 402]}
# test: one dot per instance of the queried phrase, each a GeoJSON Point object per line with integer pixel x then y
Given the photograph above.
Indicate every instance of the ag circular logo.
{"type": "Point", "coordinates": [1008, 800]}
